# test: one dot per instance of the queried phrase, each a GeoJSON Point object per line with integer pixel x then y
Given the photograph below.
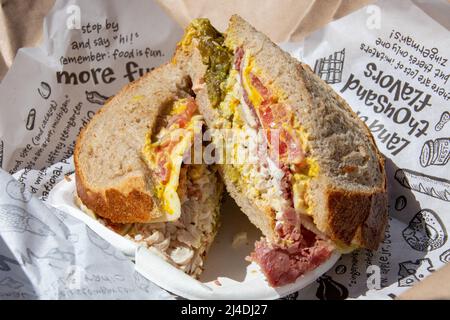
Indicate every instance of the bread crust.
{"type": "Point", "coordinates": [130, 201]}
{"type": "Point", "coordinates": [356, 217]}
{"type": "Point", "coordinates": [351, 217]}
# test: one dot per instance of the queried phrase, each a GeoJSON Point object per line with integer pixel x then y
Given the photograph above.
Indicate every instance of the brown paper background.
{"type": "Point", "coordinates": [283, 20]}
{"type": "Point", "coordinates": [20, 26]}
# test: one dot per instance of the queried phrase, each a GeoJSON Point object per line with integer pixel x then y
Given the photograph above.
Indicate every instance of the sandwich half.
{"type": "Point", "coordinates": [314, 182]}
{"type": "Point", "coordinates": [134, 174]}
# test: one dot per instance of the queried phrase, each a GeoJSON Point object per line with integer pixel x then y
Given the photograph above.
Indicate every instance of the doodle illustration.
{"type": "Point", "coordinates": [400, 203]}
{"type": "Point", "coordinates": [292, 296]}
{"type": "Point", "coordinates": [340, 269]}
{"type": "Point", "coordinates": [392, 296]}
{"type": "Point", "coordinates": [45, 90]}
{"type": "Point", "coordinates": [432, 186]}
{"type": "Point", "coordinates": [104, 246]}
{"type": "Point", "coordinates": [330, 290]}
{"type": "Point", "coordinates": [445, 117]}
{"type": "Point", "coordinates": [11, 283]}
{"type": "Point", "coordinates": [59, 255]}
{"type": "Point", "coordinates": [141, 282]}
{"type": "Point", "coordinates": [445, 256]}
{"type": "Point", "coordinates": [435, 153]}
{"type": "Point", "coordinates": [410, 273]}
{"type": "Point", "coordinates": [62, 218]}
{"type": "Point", "coordinates": [96, 98]}
{"type": "Point", "coordinates": [425, 231]}
{"type": "Point", "coordinates": [330, 69]}
{"type": "Point", "coordinates": [55, 257]}
{"type": "Point", "coordinates": [15, 219]}
{"type": "Point", "coordinates": [1, 153]}
{"type": "Point", "coordinates": [17, 191]}
{"type": "Point", "coordinates": [4, 266]}
{"type": "Point", "coordinates": [31, 119]}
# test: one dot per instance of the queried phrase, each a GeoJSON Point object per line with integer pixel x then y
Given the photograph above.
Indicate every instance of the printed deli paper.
{"type": "Point", "coordinates": [49, 94]}
{"type": "Point", "coordinates": [394, 74]}
{"type": "Point", "coordinates": [391, 62]}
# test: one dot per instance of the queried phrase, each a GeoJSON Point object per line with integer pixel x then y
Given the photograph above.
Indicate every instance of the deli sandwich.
{"type": "Point", "coordinates": [321, 185]}
{"type": "Point", "coordinates": [130, 172]}
{"type": "Point", "coordinates": [314, 182]}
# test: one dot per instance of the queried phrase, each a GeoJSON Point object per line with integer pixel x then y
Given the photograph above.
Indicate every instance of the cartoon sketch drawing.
{"type": "Point", "coordinates": [16, 219]}
{"type": "Point", "coordinates": [45, 90]}
{"type": "Point", "coordinates": [292, 296]}
{"type": "Point", "coordinates": [435, 153]}
{"type": "Point", "coordinates": [432, 186]}
{"type": "Point", "coordinates": [400, 203]}
{"type": "Point", "coordinates": [141, 282]}
{"type": "Point", "coordinates": [425, 231]}
{"type": "Point", "coordinates": [31, 120]}
{"type": "Point", "coordinates": [340, 269]}
{"type": "Point", "coordinates": [445, 117]}
{"type": "Point", "coordinates": [11, 283]}
{"type": "Point", "coordinates": [96, 98]}
{"type": "Point", "coordinates": [17, 191]}
{"type": "Point", "coordinates": [410, 273]}
{"type": "Point", "coordinates": [445, 256]}
{"type": "Point", "coordinates": [329, 289]}
{"type": "Point", "coordinates": [55, 258]}
{"type": "Point", "coordinates": [106, 247]}
{"type": "Point", "coordinates": [62, 218]}
{"type": "Point", "coordinates": [59, 255]}
{"type": "Point", "coordinates": [4, 266]}
{"type": "Point", "coordinates": [1, 153]}
{"type": "Point", "coordinates": [330, 69]}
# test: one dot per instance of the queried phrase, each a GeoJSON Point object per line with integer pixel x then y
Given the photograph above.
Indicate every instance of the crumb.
{"type": "Point", "coordinates": [217, 283]}
{"type": "Point", "coordinates": [67, 178]}
{"type": "Point", "coordinates": [239, 239]}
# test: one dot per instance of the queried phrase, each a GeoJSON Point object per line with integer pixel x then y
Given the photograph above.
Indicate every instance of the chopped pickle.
{"type": "Point", "coordinates": [214, 54]}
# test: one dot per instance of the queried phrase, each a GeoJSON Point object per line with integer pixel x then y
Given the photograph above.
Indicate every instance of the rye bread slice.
{"type": "Point", "coordinates": [349, 194]}
{"type": "Point", "coordinates": [111, 177]}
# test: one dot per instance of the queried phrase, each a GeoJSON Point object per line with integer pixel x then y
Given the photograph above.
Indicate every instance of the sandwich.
{"type": "Point", "coordinates": [318, 184]}
{"type": "Point", "coordinates": [135, 175]}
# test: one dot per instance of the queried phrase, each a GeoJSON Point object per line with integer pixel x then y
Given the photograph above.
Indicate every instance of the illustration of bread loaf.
{"type": "Point", "coordinates": [445, 117]}
{"type": "Point", "coordinates": [432, 186]}
{"type": "Point", "coordinates": [435, 152]}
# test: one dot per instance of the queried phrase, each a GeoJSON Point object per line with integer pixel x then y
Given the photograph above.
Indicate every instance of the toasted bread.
{"type": "Point", "coordinates": [347, 198]}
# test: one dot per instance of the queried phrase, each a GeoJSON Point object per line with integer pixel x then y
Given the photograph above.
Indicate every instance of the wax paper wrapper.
{"type": "Point", "coordinates": [90, 50]}
{"type": "Point", "coordinates": [389, 60]}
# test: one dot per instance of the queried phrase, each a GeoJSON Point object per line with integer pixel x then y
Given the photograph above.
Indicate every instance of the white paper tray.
{"type": "Point", "coordinates": [238, 278]}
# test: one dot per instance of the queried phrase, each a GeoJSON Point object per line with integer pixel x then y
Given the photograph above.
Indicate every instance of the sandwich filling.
{"type": "Point", "coordinates": [189, 194]}
{"type": "Point", "coordinates": [274, 176]}
{"type": "Point", "coordinates": [164, 153]}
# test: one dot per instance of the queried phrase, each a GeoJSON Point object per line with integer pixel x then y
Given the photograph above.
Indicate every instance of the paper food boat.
{"type": "Point", "coordinates": [227, 274]}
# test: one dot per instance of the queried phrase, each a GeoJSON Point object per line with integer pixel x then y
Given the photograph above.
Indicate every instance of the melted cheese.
{"type": "Point", "coordinates": [301, 180]}
{"type": "Point", "coordinates": [300, 186]}
{"type": "Point", "coordinates": [168, 192]}
{"type": "Point", "coordinates": [253, 95]}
